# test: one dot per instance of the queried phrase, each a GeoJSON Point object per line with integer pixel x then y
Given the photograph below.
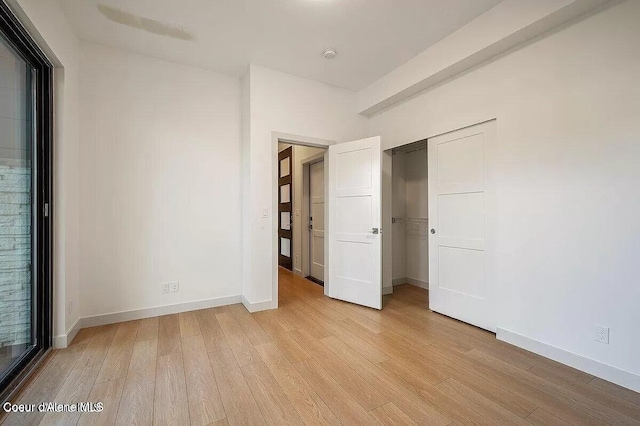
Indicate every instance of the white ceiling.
{"type": "Point", "coordinates": [372, 37]}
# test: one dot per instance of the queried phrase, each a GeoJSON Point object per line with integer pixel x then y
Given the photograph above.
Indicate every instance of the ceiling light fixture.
{"type": "Point", "coordinates": [330, 53]}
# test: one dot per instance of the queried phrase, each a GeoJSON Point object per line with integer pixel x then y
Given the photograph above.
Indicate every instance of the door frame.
{"type": "Point", "coordinates": [42, 203]}
{"type": "Point", "coordinates": [276, 138]}
{"type": "Point", "coordinates": [305, 213]}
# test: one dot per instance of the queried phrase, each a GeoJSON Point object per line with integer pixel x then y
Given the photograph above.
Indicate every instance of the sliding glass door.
{"type": "Point", "coordinates": [25, 271]}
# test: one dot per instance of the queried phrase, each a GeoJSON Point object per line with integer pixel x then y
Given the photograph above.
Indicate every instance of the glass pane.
{"type": "Point", "coordinates": [284, 167]}
{"type": "Point", "coordinates": [285, 247]}
{"type": "Point", "coordinates": [285, 194]}
{"type": "Point", "coordinates": [285, 221]}
{"type": "Point", "coordinates": [16, 313]}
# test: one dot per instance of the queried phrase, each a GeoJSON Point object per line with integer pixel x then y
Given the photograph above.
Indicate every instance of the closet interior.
{"type": "Point", "coordinates": [410, 215]}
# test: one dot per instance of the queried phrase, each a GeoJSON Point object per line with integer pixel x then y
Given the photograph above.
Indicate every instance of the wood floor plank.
{"type": "Point", "coordinates": [169, 335]}
{"type": "Point", "coordinates": [363, 392]}
{"type": "Point", "coordinates": [593, 408]}
{"type": "Point", "coordinates": [188, 324]}
{"type": "Point", "coordinates": [116, 363]}
{"type": "Point", "coordinates": [80, 379]}
{"type": "Point", "coordinates": [616, 390]}
{"type": "Point", "coordinates": [148, 329]}
{"type": "Point", "coordinates": [480, 404]}
{"type": "Point", "coordinates": [341, 402]}
{"type": "Point", "coordinates": [468, 374]}
{"type": "Point", "coordinates": [302, 321]}
{"type": "Point", "coordinates": [248, 324]}
{"type": "Point", "coordinates": [47, 384]}
{"type": "Point", "coordinates": [171, 406]}
{"type": "Point", "coordinates": [109, 394]}
{"type": "Point", "coordinates": [137, 401]}
{"type": "Point", "coordinates": [96, 349]}
{"type": "Point", "coordinates": [287, 344]}
{"type": "Point", "coordinates": [579, 386]}
{"type": "Point", "coordinates": [334, 327]}
{"type": "Point", "coordinates": [281, 320]}
{"type": "Point", "coordinates": [205, 403]}
{"type": "Point", "coordinates": [272, 401]}
{"type": "Point", "coordinates": [83, 336]}
{"type": "Point", "coordinates": [561, 372]}
{"type": "Point", "coordinates": [542, 418]}
{"type": "Point", "coordinates": [214, 339]}
{"type": "Point", "coordinates": [407, 401]}
{"type": "Point", "coordinates": [450, 406]}
{"type": "Point", "coordinates": [306, 401]}
{"type": "Point", "coordinates": [76, 388]}
{"type": "Point", "coordinates": [525, 391]}
{"type": "Point", "coordinates": [242, 348]}
{"type": "Point", "coordinates": [239, 404]}
{"type": "Point", "coordinates": [390, 415]}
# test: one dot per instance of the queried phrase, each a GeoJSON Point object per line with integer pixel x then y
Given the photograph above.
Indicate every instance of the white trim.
{"type": "Point", "coordinates": [607, 372]}
{"type": "Point", "coordinates": [398, 281]}
{"type": "Point", "coordinates": [63, 340]}
{"type": "Point", "coordinates": [135, 314]}
{"type": "Point", "coordinates": [257, 306]}
{"type": "Point", "coordinates": [387, 290]}
{"type": "Point", "coordinates": [412, 281]}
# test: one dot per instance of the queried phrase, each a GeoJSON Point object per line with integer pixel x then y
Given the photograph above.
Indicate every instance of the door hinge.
{"type": "Point", "coordinates": [46, 209]}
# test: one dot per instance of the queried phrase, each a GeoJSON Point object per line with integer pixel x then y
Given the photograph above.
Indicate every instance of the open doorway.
{"type": "Point", "coordinates": [351, 261]}
{"type": "Point", "coordinates": [301, 210]}
{"type": "Point", "coordinates": [410, 216]}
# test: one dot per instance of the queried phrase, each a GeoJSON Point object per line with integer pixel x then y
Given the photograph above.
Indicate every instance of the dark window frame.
{"type": "Point", "coordinates": [42, 191]}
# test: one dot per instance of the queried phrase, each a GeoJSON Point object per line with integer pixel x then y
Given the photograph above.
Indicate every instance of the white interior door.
{"type": "Point", "coordinates": [355, 212]}
{"type": "Point", "coordinates": [316, 226]}
{"type": "Point", "coordinates": [458, 276]}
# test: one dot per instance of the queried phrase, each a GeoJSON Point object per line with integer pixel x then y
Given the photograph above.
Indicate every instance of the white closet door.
{"type": "Point", "coordinates": [458, 276]}
{"type": "Point", "coordinates": [316, 233]}
{"type": "Point", "coordinates": [355, 209]}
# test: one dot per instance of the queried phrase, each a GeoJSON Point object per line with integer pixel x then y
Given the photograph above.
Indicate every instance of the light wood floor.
{"type": "Point", "coordinates": [316, 361]}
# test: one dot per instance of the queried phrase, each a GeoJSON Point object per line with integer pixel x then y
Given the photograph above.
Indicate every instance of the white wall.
{"type": "Point", "coordinates": [160, 183]}
{"type": "Point", "coordinates": [566, 235]}
{"type": "Point", "coordinates": [47, 23]}
{"type": "Point", "coordinates": [287, 104]}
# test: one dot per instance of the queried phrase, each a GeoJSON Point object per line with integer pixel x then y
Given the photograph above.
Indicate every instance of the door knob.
{"type": "Point", "coordinates": [433, 231]}
{"type": "Point", "coordinates": [375, 230]}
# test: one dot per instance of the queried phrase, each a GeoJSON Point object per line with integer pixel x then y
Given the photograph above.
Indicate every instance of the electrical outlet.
{"type": "Point", "coordinates": [174, 287]}
{"type": "Point", "coordinates": [165, 288]}
{"type": "Point", "coordinates": [70, 307]}
{"type": "Point", "coordinates": [602, 334]}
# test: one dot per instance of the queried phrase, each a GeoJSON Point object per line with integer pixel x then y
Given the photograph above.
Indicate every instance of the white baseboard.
{"type": "Point", "coordinates": [63, 340]}
{"type": "Point", "coordinates": [398, 281]}
{"type": "Point", "coordinates": [412, 281]}
{"type": "Point", "coordinates": [135, 314]}
{"type": "Point", "coordinates": [387, 290]}
{"type": "Point", "coordinates": [607, 372]}
{"type": "Point", "coordinates": [256, 306]}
